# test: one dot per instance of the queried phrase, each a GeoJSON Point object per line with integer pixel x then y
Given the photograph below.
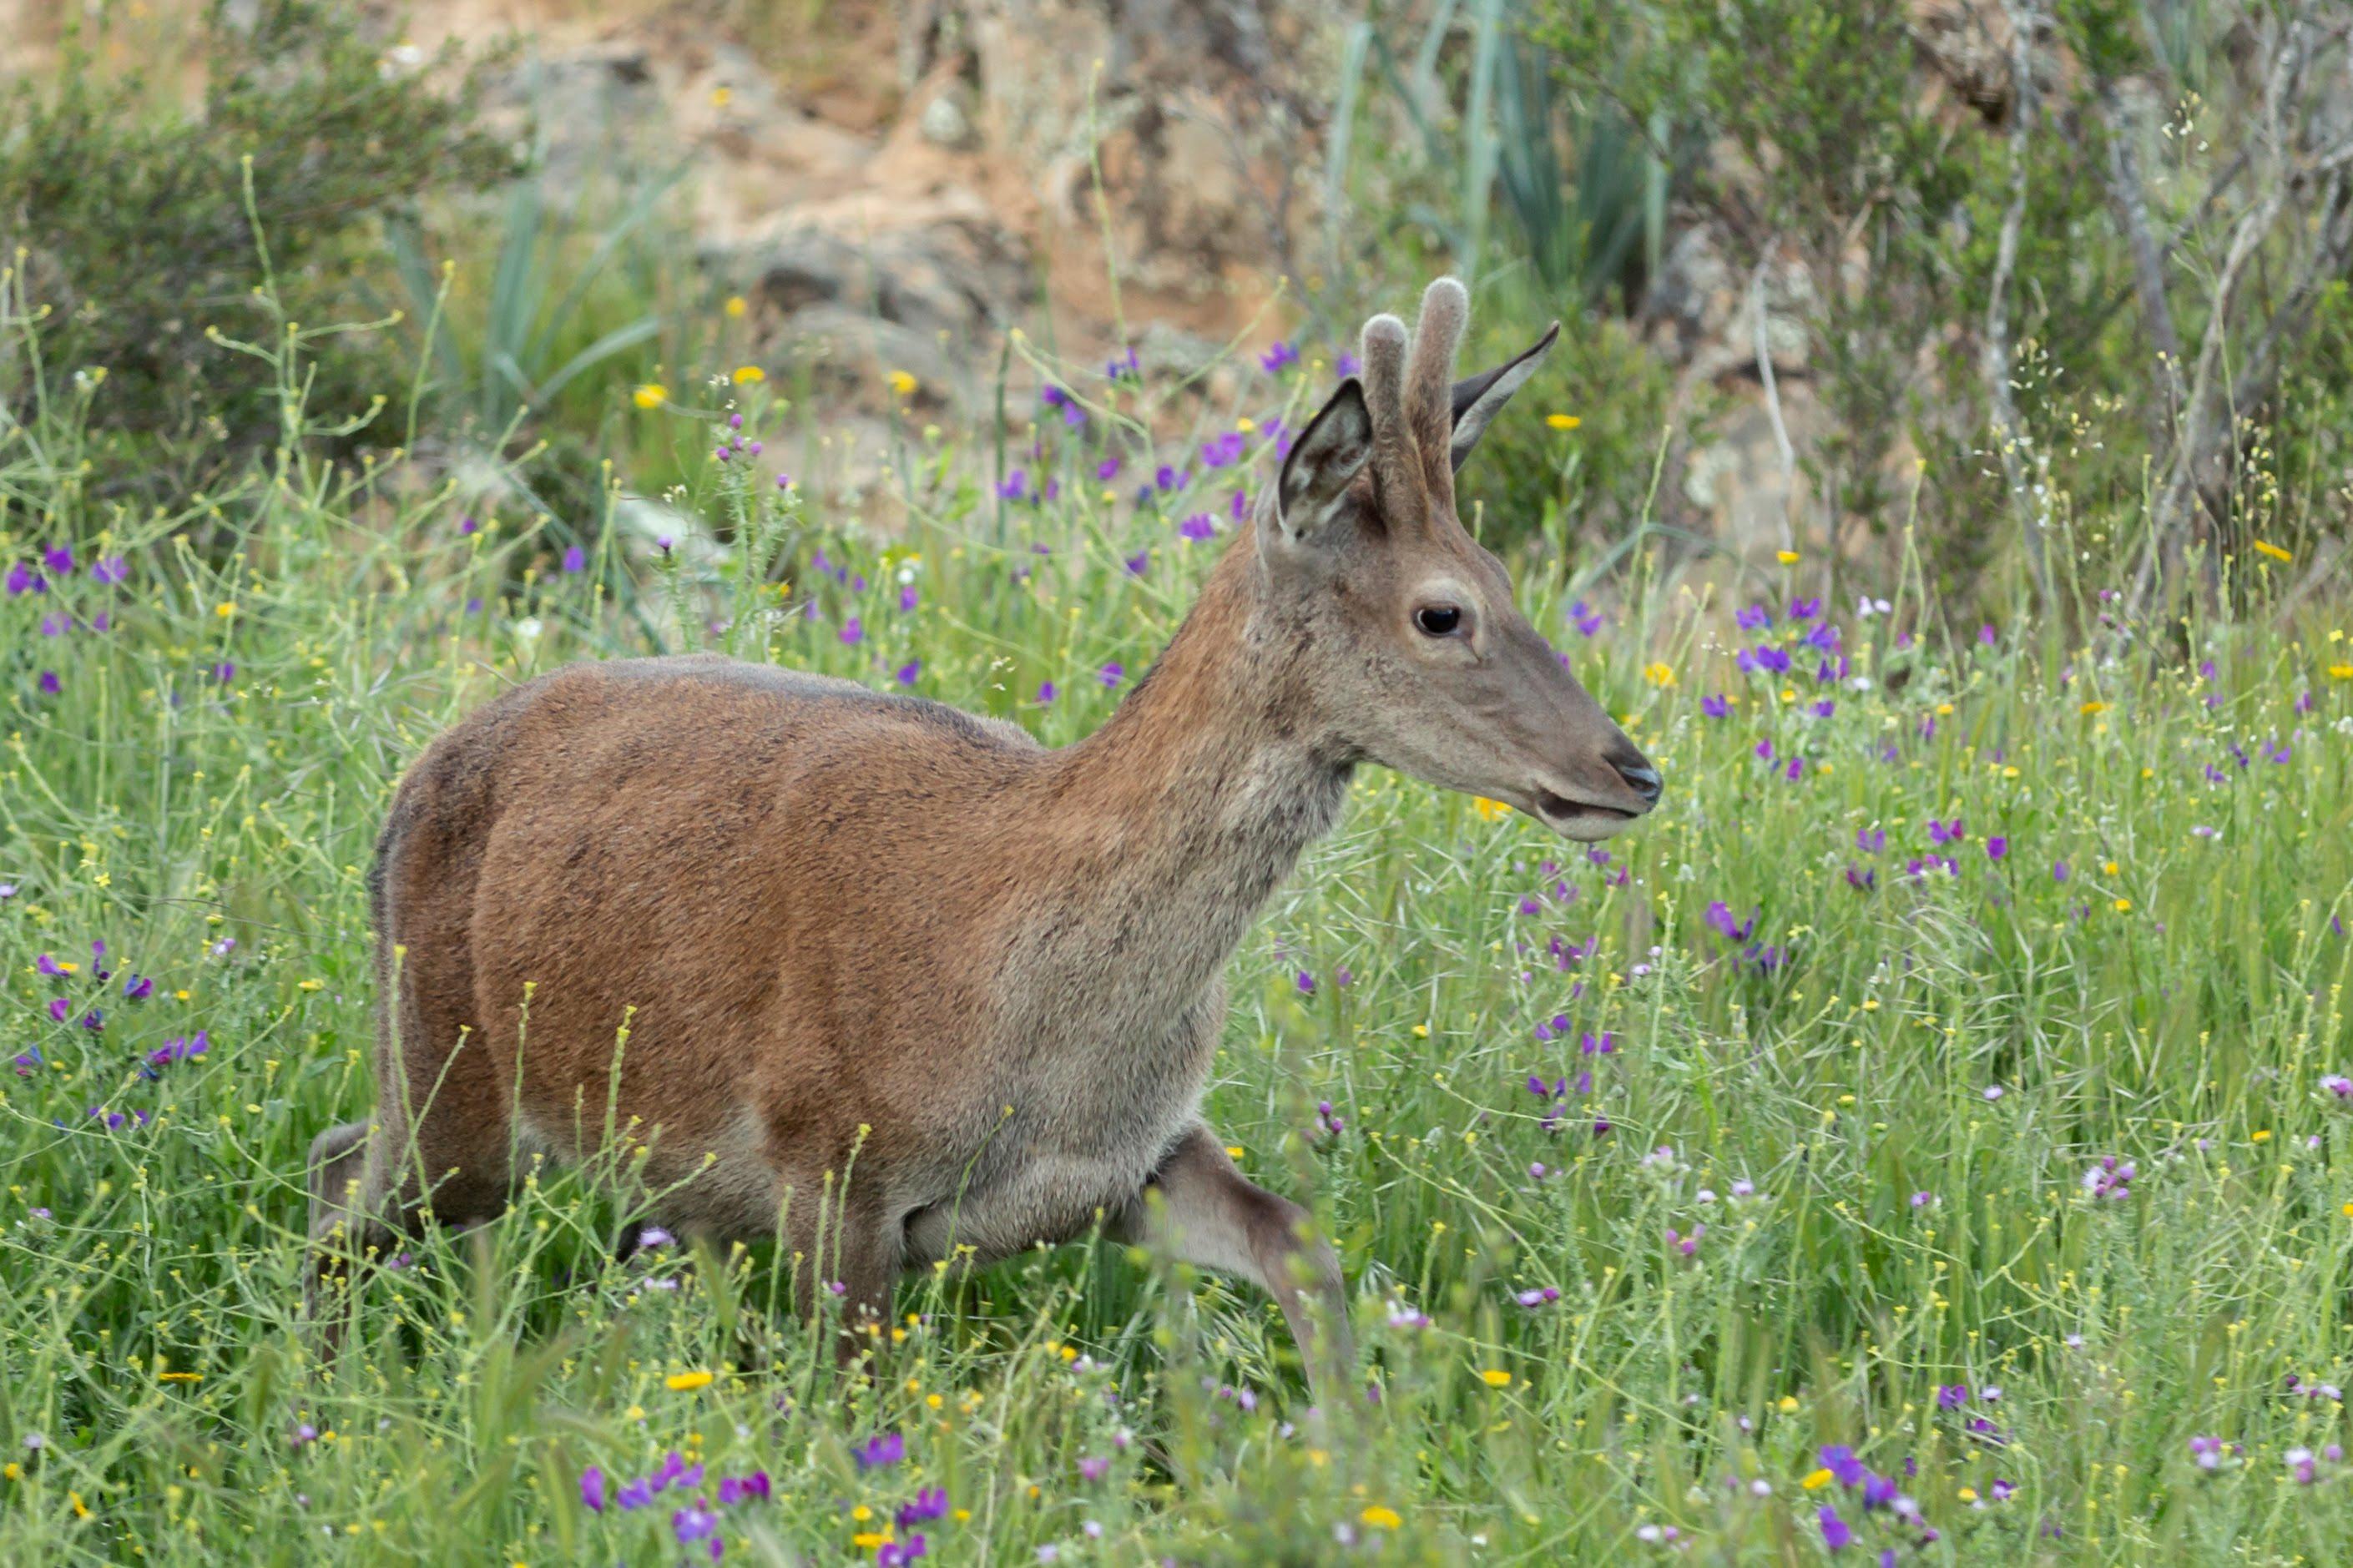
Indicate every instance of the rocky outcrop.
{"type": "Point", "coordinates": [893, 190]}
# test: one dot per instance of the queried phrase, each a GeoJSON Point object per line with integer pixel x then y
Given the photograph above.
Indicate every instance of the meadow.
{"type": "Point", "coordinates": [1927, 1138]}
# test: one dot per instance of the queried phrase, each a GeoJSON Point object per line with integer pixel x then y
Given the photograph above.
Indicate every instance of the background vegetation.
{"type": "Point", "coordinates": [1929, 1135]}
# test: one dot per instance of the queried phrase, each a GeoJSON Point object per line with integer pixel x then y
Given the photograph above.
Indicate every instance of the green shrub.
{"type": "Point", "coordinates": [145, 227]}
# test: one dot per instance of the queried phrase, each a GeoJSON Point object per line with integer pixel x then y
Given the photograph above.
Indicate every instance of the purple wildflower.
{"type": "Point", "coordinates": [693, 1523]}
{"type": "Point", "coordinates": [1720, 918]}
{"type": "Point", "coordinates": [882, 1449]}
{"type": "Point", "coordinates": [180, 1050]}
{"type": "Point", "coordinates": [2110, 1178]}
{"type": "Point", "coordinates": [1839, 1459]}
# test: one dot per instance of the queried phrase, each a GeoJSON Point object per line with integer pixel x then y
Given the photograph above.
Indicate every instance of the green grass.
{"type": "Point", "coordinates": [2175, 1002]}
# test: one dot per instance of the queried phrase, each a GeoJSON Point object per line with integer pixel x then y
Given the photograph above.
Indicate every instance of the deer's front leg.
{"type": "Point", "coordinates": [1200, 1209]}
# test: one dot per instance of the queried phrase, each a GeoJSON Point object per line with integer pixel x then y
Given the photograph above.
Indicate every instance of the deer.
{"type": "Point", "coordinates": [903, 986]}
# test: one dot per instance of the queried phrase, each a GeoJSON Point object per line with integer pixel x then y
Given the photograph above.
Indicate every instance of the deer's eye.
{"type": "Point", "coordinates": [1438, 620]}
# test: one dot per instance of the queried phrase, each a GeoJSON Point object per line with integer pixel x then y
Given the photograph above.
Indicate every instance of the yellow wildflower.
{"type": "Point", "coordinates": [1490, 810]}
{"type": "Point", "coordinates": [1563, 421]}
{"type": "Point", "coordinates": [1786, 557]}
{"type": "Point", "coordinates": [1816, 1481]}
{"type": "Point", "coordinates": [1383, 1518]}
{"type": "Point", "coordinates": [902, 383]}
{"type": "Point", "coordinates": [2090, 708]}
{"type": "Point", "coordinates": [1496, 1377]}
{"type": "Point", "coordinates": [652, 395]}
{"type": "Point", "coordinates": [1659, 674]}
{"type": "Point", "coordinates": [749, 375]}
{"type": "Point", "coordinates": [737, 307]}
{"type": "Point", "coordinates": [2340, 672]}
{"type": "Point", "coordinates": [2264, 547]}
{"type": "Point", "coordinates": [686, 1381]}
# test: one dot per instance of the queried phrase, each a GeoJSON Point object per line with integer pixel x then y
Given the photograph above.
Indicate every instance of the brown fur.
{"type": "Point", "coordinates": [860, 927]}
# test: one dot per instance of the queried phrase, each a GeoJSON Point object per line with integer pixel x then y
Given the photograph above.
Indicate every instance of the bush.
{"type": "Point", "coordinates": [144, 229]}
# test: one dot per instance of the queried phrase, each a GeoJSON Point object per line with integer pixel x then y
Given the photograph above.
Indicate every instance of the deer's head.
{"type": "Point", "coordinates": [1403, 622]}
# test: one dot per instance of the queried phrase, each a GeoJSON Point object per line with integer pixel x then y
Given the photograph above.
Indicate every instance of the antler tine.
{"type": "Point", "coordinates": [1429, 380]}
{"type": "Point", "coordinates": [1394, 466]}
{"type": "Point", "coordinates": [1384, 355]}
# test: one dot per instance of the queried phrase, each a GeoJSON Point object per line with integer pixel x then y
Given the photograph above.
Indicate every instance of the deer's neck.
{"type": "Point", "coordinates": [1190, 805]}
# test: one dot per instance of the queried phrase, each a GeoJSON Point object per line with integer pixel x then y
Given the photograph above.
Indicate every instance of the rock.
{"type": "Point", "coordinates": [1967, 48]}
{"type": "Point", "coordinates": [1702, 317]}
{"type": "Point", "coordinates": [945, 123]}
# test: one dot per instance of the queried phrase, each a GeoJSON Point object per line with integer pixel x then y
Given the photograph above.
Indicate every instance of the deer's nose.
{"type": "Point", "coordinates": [1642, 778]}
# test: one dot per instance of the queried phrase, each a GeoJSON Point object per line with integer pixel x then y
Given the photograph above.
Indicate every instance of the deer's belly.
{"type": "Point", "coordinates": [1048, 1200]}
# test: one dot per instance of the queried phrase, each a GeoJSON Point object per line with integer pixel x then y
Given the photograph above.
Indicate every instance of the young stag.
{"type": "Point", "coordinates": [906, 964]}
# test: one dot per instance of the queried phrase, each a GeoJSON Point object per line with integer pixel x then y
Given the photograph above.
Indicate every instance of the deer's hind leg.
{"type": "Point", "coordinates": [341, 1230]}
{"type": "Point", "coordinates": [439, 1145]}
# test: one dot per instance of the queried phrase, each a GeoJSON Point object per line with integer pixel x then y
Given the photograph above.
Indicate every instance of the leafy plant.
{"type": "Point", "coordinates": [143, 225]}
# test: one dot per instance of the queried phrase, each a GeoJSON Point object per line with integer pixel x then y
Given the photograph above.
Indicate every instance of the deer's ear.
{"type": "Point", "coordinates": [1329, 454]}
{"type": "Point", "coordinates": [1481, 397]}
